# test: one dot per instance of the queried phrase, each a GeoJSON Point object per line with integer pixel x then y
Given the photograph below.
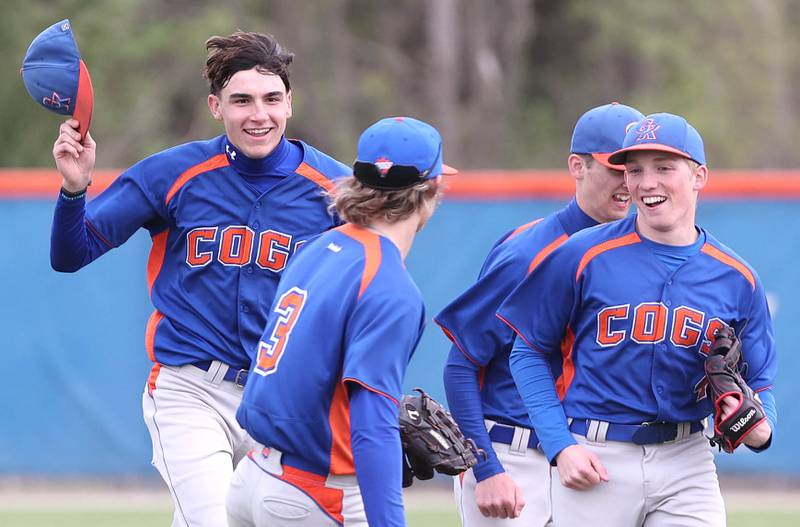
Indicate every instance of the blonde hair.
{"type": "Point", "coordinates": [359, 204]}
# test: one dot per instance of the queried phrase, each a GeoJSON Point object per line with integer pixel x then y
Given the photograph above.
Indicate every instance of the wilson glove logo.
{"type": "Point", "coordinates": [743, 420]}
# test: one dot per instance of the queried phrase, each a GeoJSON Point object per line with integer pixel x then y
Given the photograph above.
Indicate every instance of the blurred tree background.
{"type": "Point", "coordinates": [505, 80]}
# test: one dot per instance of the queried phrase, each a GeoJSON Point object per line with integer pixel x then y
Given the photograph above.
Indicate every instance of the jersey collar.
{"type": "Point", "coordinates": [266, 166]}
{"type": "Point", "coordinates": [573, 219]}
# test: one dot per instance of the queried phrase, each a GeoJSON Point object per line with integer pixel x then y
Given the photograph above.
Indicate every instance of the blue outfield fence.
{"type": "Point", "coordinates": [75, 366]}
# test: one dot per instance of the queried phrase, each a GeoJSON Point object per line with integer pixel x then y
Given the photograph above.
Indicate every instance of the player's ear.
{"type": "Point", "coordinates": [289, 104]}
{"type": "Point", "coordinates": [213, 106]}
{"type": "Point", "coordinates": [700, 177]}
{"type": "Point", "coordinates": [576, 164]}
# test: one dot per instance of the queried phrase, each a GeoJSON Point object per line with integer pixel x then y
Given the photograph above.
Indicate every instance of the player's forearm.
{"type": "Point", "coordinates": [535, 383]}
{"type": "Point", "coordinates": [377, 453]}
{"type": "Point", "coordinates": [72, 244]}
{"type": "Point", "coordinates": [464, 401]}
{"type": "Point", "coordinates": [764, 441]}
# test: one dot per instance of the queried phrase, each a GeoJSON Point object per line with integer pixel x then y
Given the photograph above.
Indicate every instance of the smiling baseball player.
{"type": "Point", "coordinates": [514, 482]}
{"type": "Point", "coordinates": [631, 310]}
{"type": "Point", "coordinates": [327, 377]}
{"type": "Point", "coordinates": [225, 216]}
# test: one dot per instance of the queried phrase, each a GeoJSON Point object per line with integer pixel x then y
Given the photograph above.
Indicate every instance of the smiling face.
{"type": "Point", "coordinates": [254, 107]}
{"type": "Point", "coordinates": [600, 191]}
{"type": "Point", "coordinates": [664, 187]}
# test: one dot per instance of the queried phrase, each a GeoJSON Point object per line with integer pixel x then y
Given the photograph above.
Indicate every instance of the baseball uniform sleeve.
{"type": "Point", "coordinates": [464, 400]}
{"type": "Point", "coordinates": [381, 335]}
{"type": "Point", "coordinates": [758, 342]}
{"type": "Point", "coordinates": [469, 320]}
{"type": "Point", "coordinates": [124, 207]}
{"type": "Point", "coordinates": [534, 380]}
{"type": "Point", "coordinates": [539, 309]}
{"type": "Point", "coordinates": [72, 244]}
{"type": "Point", "coordinates": [375, 440]}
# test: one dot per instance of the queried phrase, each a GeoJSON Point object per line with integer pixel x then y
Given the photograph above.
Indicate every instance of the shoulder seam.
{"type": "Point", "coordinates": [729, 260]}
{"type": "Point", "coordinates": [596, 250]}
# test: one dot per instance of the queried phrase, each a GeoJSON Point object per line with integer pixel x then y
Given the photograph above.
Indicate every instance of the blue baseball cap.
{"type": "Point", "coordinates": [399, 152]}
{"type": "Point", "coordinates": [56, 77]}
{"type": "Point", "coordinates": [663, 132]}
{"type": "Point", "coordinates": [601, 130]}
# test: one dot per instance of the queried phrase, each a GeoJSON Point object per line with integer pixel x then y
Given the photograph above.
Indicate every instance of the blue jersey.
{"type": "Point", "coordinates": [631, 332]}
{"type": "Point", "coordinates": [470, 321]}
{"type": "Point", "coordinates": [219, 243]}
{"type": "Point", "coordinates": [345, 311]}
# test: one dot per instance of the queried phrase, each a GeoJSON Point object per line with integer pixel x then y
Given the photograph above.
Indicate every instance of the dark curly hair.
{"type": "Point", "coordinates": [243, 51]}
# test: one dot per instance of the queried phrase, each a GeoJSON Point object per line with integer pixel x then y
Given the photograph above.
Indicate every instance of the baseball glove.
{"type": "Point", "coordinates": [432, 440]}
{"type": "Point", "coordinates": [724, 379]}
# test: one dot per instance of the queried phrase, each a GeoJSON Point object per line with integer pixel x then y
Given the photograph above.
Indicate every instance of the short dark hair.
{"type": "Point", "coordinates": [243, 51]}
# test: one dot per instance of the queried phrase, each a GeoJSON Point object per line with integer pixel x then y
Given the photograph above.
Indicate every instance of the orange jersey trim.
{"type": "Point", "coordinates": [544, 253]}
{"type": "Point", "coordinates": [311, 173]}
{"type": "Point", "coordinates": [150, 333]}
{"type": "Point", "coordinates": [567, 365]}
{"type": "Point", "coordinates": [372, 252]}
{"type": "Point", "coordinates": [212, 163]}
{"type": "Point", "coordinates": [329, 500]}
{"type": "Point", "coordinates": [522, 228]}
{"type": "Point", "coordinates": [730, 261]}
{"type": "Point", "coordinates": [628, 239]}
{"type": "Point", "coordinates": [156, 258]}
{"type": "Point", "coordinates": [151, 380]}
{"type": "Point", "coordinates": [339, 422]}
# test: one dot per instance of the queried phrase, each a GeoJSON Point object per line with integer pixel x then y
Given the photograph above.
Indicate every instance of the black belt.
{"type": "Point", "coordinates": [500, 433]}
{"type": "Point", "coordinates": [643, 434]}
{"type": "Point", "coordinates": [238, 377]}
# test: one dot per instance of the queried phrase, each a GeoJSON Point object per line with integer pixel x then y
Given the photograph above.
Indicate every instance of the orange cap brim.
{"type": "Point", "coordinates": [85, 100]}
{"type": "Point", "coordinates": [603, 160]}
{"type": "Point", "coordinates": [447, 170]}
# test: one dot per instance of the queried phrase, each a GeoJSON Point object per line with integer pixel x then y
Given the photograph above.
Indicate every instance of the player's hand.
{"type": "Point", "coordinates": [757, 437]}
{"type": "Point", "coordinates": [579, 468]}
{"type": "Point", "coordinates": [74, 156]}
{"type": "Point", "coordinates": [499, 497]}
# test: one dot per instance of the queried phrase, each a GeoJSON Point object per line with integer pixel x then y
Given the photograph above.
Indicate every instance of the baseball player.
{"type": "Point", "coordinates": [225, 216]}
{"type": "Point", "coordinates": [514, 480]}
{"type": "Point", "coordinates": [322, 397]}
{"type": "Point", "coordinates": [630, 309]}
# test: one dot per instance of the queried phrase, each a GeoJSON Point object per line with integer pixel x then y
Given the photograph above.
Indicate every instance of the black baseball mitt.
{"type": "Point", "coordinates": [724, 379]}
{"type": "Point", "coordinates": [432, 440]}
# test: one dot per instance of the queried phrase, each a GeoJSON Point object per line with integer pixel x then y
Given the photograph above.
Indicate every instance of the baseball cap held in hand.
{"type": "Point", "coordinates": [663, 132]}
{"type": "Point", "coordinates": [601, 130]}
{"type": "Point", "coordinates": [399, 152]}
{"type": "Point", "coordinates": [56, 77]}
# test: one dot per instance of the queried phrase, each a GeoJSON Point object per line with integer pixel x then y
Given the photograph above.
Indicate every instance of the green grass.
{"type": "Point", "coordinates": [416, 518]}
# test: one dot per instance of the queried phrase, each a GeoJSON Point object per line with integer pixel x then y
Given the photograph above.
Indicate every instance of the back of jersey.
{"type": "Point", "coordinates": [346, 310]}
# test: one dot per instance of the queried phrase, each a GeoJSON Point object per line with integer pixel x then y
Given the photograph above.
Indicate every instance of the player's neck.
{"type": "Point", "coordinates": [680, 236]}
{"type": "Point", "coordinates": [400, 233]}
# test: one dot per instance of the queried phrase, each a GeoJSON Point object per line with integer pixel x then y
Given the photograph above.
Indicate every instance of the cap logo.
{"type": "Point", "coordinates": [647, 132]}
{"type": "Point", "coordinates": [630, 125]}
{"type": "Point", "coordinates": [65, 26]}
{"type": "Point", "coordinates": [56, 101]}
{"type": "Point", "coordinates": [383, 165]}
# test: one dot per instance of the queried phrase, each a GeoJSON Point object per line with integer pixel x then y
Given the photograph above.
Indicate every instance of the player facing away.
{"type": "Point", "coordinates": [514, 482]}
{"type": "Point", "coordinates": [225, 216]}
{"type": "Point", "coordinates": [322, 395]}
{"type": "Point", "coordinates": [630, 310]}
